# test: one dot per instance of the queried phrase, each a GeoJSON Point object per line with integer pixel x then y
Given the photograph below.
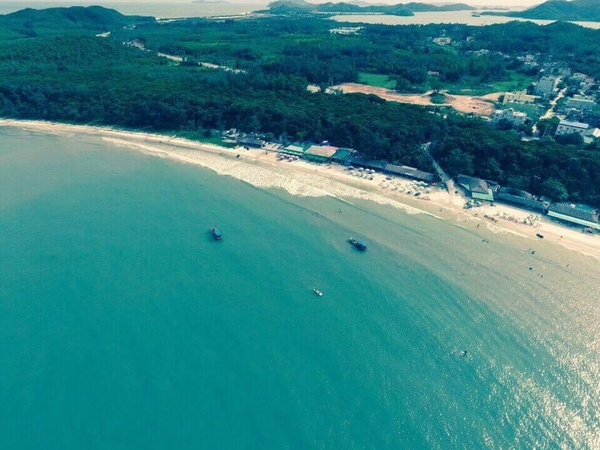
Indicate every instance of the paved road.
{"type": "Point", "coordinates": [443, 175]}
{"type": "Point", "coordinates": [550, 113]}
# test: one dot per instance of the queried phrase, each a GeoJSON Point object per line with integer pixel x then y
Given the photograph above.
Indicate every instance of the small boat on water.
{"type": "Point", "coordinates": [541, 236]}
{"type": "Point", "coordinates": [358, 244]}
{"type": "Point", "coordinates": [216, 233]}
{"type": "Point", "coordinates": [318, 292]}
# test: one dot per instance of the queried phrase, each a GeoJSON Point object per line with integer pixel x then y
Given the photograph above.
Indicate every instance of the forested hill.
{"type": "Point", "coordinates": [32, 22]}
{"type": "Point", "coordinates": [581, 10]}
{"type": "Point", "coordinates": [301, 6]}
{"type": "Point", "coordinates": [80, 78]}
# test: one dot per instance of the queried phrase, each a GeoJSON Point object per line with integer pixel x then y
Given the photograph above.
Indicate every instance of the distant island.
{"type": "Point", "coordinates": [574, 10]}
{"type": "Point", "coordinates": [27, 21]}
{"type": "Point", "coordinates": [408, 9]}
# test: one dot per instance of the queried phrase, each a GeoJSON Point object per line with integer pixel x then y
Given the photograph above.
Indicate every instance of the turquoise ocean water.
{"type": "Point", "coordinates": [123, 325]}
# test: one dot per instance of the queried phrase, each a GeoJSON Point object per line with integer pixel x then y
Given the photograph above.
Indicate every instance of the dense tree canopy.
{"type": "Point", "coordinates": [87, 79]}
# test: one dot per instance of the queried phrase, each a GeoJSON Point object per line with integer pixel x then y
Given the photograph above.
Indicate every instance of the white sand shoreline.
{"type": "Point", "coordinates": [302, 178]}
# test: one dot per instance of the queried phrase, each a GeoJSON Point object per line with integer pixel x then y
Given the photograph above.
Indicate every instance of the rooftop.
{"type": "Point", "coordinates": [410, 172]}
{"type": "Point", "coordinates": [250, 141]}
{"type": "Point", "coordinates": [294, 148]}
{"type": "Point", "coordinates": [584, 98]}
{"type": "Point", "coordinates": [566, 123]}
{"type": "Point", "coordinates": [571, 210]}
{"type": "Point", "coordinates": [326, 151]}
{"type": "Point", "coordinates": [343, 154]}
{"type": "Point", "coordinates": [370, 163]}
{"type": "Point", "coordinates": [516, 192]}
{"type": "Point", "coordinates": [475, 184]}
{"type": "Point", "coordinates": [511, 112]}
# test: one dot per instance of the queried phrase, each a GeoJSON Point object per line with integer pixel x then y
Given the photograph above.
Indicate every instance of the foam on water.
{"type": "Point", "coordinates": [292, 181]}
{"type": "Point", "coordinates": [295, 181]}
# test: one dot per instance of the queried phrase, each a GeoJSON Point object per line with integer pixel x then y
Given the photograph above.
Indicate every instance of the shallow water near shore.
{"type": "Point", "coordinates": [124, 325]}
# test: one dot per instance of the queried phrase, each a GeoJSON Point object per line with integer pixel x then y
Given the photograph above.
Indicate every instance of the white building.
{"type": "Point", "coordinates": [515, 118]}
{"type": "Point", "coordinates": [546, 86]}
{"type": "Point", "coordinates": [586, 85]}
{"type": "Point", "coordinates": [519, 97]}
{"type": "Point", "coordinates": [346, 30]}
{"type": "Point", "coordinates": [443, 41]}
{"type": "Point", "coordinates": [575, 214]}
{"type": "Point", "coordinates": [566, 127]}
{"type": "Point", "coordinates": [582, 102]}
{"type": "Point", "coordinates": [594, 132]}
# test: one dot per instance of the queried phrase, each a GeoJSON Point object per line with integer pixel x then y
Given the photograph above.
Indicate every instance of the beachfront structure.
{"type": "Point", "coordinates": [582, 102]}
{"type": "Point", "coordinates": [513, 117]}
{"type": "Point", "coordinates": [522, 198]}
{"type": "Point", "coordinates": [377, 164]}
{"type": "Point", "coordinates": [476, 187]}
{"type": "Point", "coordinates": [320, 153]}
{"type": "Point", "coordinates": [567, 127]}
{"type": "Point", "coordinates": [519, 97]}
{"type": "Point", "coordinates": [409, 172]}
{"type": "Point", "coordinates": [343, 155]}
{"type": "Point", "coordinates": [579, 215]}
{"type": "Point", "coordinates": [546, 86]}
{"type": "Point", "coordinates": [293, 149]}
{"type": "Point", "coordinates": [249, 141]}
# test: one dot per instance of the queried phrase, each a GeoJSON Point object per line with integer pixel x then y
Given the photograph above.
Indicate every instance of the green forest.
{"type": "Point", "coordinates": [68, 74]}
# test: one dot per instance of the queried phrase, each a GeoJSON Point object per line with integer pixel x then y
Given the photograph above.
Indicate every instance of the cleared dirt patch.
{"type": "Point", "coordinates": [482, 106]}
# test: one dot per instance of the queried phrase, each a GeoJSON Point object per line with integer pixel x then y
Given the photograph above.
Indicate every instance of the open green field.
{"type": "Point", "coordinates": [377, 80]}
{"type": "Point", "coordinates": [516, 82]}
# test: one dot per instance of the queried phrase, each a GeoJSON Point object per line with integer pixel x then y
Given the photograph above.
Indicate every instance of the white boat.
{"type": "Point", "coordinates": [318, 292]}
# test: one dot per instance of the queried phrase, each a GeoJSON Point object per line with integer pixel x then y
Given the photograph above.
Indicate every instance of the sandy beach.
{"type": "Point", "coordinates": [262, 169]}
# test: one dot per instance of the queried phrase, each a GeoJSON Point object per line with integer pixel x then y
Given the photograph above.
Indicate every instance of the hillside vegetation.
{"type": "Point", "coordinates": [32, 22]}
{"type": "Point", "coordinates": [80, 78]}
{"type": "Point", "coordinates": [574, 10]}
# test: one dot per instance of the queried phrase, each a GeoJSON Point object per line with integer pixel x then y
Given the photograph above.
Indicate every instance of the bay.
{"type": "Point", "coordinates": [445, 17]}
{"type": "Point", "coordinates": [124, 325]}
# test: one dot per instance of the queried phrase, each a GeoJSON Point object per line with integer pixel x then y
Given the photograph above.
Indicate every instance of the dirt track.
{"type": "Point", "coordinates": [482, 106]}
